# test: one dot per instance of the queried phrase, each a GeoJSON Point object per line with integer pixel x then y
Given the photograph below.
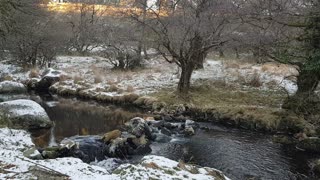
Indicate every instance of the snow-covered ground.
{"type": "Point", "coordinates": [13, 165]}
{"type": "Point", "coordinates": [96, 73]}
{"type": "Point", "coordinates": [160, 74]}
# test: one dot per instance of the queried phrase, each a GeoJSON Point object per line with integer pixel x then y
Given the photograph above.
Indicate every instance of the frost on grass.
{"type": "Point", "coordinates": [160, 74]}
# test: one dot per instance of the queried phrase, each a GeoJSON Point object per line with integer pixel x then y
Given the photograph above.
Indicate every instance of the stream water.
{"type": "Point", "coordinates": [239, 154]}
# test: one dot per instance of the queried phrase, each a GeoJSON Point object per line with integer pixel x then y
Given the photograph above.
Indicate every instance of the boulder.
{"type": "Point", "coordinates": [111, 135]}
{"type": "Point", "coordinates": [10, 87]}
{"type": "Point", "coordinates": [138, 127]}
{"type": "Point", "coordinates": [87, 148]}
{"type": "Point", "coordinates": [24, 114]}
{"type": "Point", "coordinates": [49, 77]}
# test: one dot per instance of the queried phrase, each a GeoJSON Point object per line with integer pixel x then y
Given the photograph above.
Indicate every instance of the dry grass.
{"type": "Point", "coordinates": [230, 102]}
{"type": "Point", "coordinates": [34, 73]}
{"type": "Point", "coordinates": [151, 165]}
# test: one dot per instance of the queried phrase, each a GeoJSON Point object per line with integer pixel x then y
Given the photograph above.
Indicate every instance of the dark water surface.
{"type": "Point", "coordinates": [239, 154]}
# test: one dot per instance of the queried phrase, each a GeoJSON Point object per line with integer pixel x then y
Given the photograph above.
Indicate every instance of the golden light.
{"type": "Point", "coordinates": [102, 10]}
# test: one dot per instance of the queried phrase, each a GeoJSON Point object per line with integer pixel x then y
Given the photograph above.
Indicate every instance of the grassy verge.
{"type": "Point", "coordinates": [249, 107]}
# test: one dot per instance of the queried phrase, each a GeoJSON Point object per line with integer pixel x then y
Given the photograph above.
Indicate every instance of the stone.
{"type": "Point", "coordinates": [24, 114]}
{"type": "Point", "coordinates": [49, 77]}
{"type": "Point", "coordinates": [138, 127]}
{"type": "Point", "coordinates": [51, 152]}
{"type": "Point", "coordinates": [191, 123]}
{"type": "Point", "coordinates": [33, 83]}
{"type": "Point", "coordinates": [68, 144]}
{"type": "Point", "coordinates": [10, 87]}
{"type": "Point", "coordinates": [189, 131]}
{"type": "Point", "coordinates": [32, 153]}
{"type": "Point", "coordinates": [111, 135]}
{"type": "Point", "coordinates": [87, 148]}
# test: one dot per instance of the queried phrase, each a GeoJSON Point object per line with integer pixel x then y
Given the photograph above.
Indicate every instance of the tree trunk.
{"type": "Point", "coordinates": [184, 82]}
{"type": "Point", "coordinates": [237, 53]}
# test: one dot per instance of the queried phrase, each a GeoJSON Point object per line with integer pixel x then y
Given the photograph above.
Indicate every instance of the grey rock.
{"type": "Point", "coordinates": [10, 87]}
{"type": "Point", "coordinates": [24, 114]}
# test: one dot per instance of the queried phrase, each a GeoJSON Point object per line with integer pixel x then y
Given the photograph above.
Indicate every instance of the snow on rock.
{"type": "Point", "coordinates": [25, 114]}
{"type": "Point", "coordinates": [157, 167]}
{"type": "Point", "coordinates": [12, 87]}
{"type": "Point", "coordinates": [14, 165]}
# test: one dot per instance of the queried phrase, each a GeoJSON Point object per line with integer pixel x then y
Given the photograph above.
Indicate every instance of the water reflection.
{"type": "Point", "coordinates": [73, 117]}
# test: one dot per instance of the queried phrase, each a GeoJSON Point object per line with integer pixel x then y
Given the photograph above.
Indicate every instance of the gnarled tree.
{"type": "Point", "coordinates": [188, 32]}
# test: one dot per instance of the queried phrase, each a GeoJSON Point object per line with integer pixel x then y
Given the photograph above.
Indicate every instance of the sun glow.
{"type": "Point", "coordinates": [101, 10]}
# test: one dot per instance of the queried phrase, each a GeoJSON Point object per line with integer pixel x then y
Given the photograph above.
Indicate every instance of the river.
{"type": "Point", "coordinates": [239, 154]}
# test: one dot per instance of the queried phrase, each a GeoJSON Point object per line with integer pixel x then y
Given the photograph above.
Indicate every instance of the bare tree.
{"type": "Point", "coordinates": [188, 32]}
{"type": "Point", "coordinates": [36, 39]}
{"type": "Point", "coordinates": [86, 28]}
{"type": "Point", "coordinates": [121, 39]}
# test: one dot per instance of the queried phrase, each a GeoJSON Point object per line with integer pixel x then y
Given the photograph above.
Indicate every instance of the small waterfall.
{"type": "Point", "coordinates": [52, 141]}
